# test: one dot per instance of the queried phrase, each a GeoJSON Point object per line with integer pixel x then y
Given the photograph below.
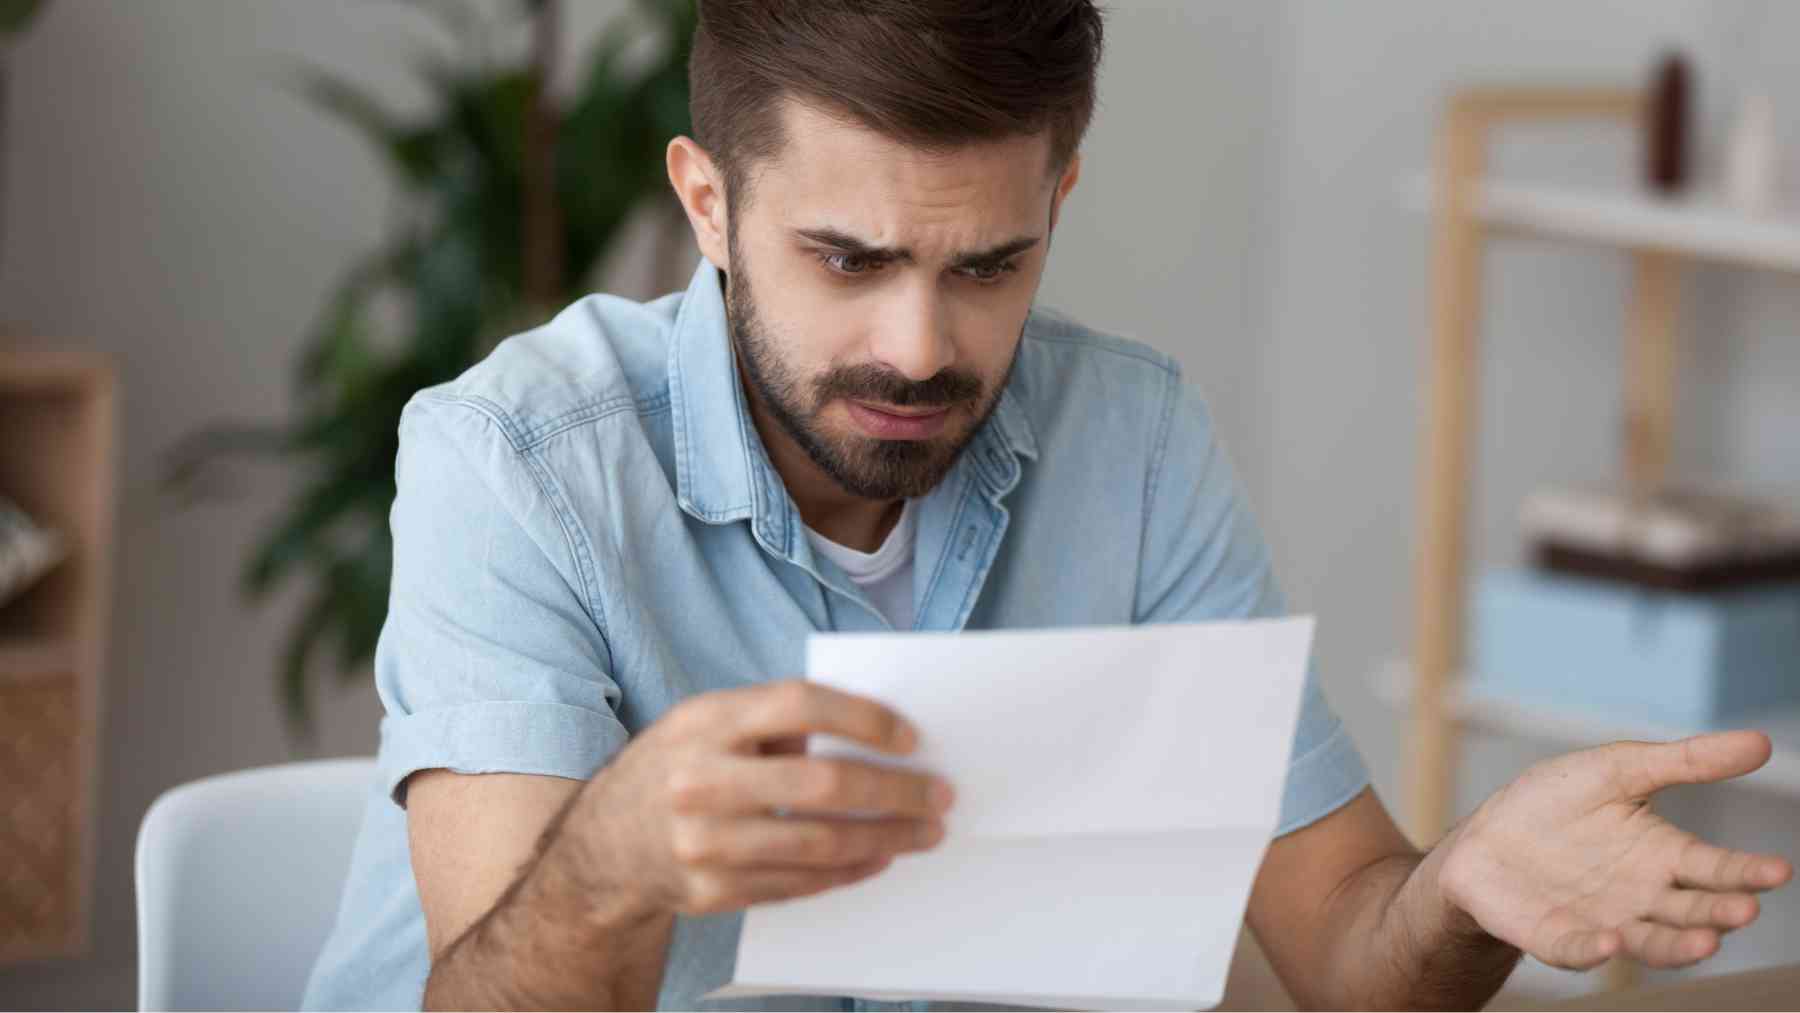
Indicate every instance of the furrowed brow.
{"type": "Point", "coordinates": [843, 242]}
{"type": "Point", "coordinates": [993, 255]}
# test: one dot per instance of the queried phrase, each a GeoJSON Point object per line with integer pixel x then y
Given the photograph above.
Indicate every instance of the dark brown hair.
{"type": "Point", "coordinates": [934, 74]}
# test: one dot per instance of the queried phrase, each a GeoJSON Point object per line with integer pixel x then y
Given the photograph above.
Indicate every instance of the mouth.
{"type": "Point", "coordinates": [886, 422]}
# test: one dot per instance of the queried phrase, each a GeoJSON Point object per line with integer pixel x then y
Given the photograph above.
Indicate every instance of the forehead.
{"type": "Point", "coordinates": [834, 172]}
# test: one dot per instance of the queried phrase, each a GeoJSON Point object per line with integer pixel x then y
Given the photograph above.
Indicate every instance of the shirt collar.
{"type": "Point", "coordinates": [722, 472]}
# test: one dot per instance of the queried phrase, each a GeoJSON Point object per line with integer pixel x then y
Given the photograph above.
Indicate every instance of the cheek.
{"type": "Point", "coordinates": [811, 334]}
{"type": "Point", "coordinates": [988, 335]}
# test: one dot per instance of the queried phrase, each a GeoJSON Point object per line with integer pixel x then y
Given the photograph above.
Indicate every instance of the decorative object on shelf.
{"type": "Point", "coordinates": [1676, 540]}
{"type": "Point", "coordinates": [1668, 139]}
{"type": "Point", "coordinates": [1680, 660]}
{"type": "Point", "coordinates": [514, 194]}
{"type": "Point", "coordinates": [1751, 153]}
{"type": "Point", "coordinates": [27, 551]}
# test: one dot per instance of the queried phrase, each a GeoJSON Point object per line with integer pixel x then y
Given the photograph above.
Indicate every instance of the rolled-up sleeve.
{"type": "Point", "coordinates": [491, 659]}
{"type": "Point", "coordinates": [1204, 558]}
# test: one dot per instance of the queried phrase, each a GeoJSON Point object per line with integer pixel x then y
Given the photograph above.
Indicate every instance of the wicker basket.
{"type": "Point", "coordinates": [40, 800]}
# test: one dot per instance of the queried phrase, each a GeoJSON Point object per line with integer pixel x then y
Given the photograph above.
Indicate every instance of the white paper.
{"type": "Point", "coordinates": [1116, 790]}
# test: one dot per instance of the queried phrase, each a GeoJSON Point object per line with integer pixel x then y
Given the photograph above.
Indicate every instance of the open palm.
{"type": "Point", "coordinates": [1570, 864]}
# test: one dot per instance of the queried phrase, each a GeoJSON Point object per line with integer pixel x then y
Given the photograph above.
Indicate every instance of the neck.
{"type": "Point", "coordinates": [851, 521]}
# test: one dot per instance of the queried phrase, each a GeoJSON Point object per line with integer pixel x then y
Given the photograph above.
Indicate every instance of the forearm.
{"type": "Point", "coordinates": [1399, 944]}
{"type": "Point", "coordinates": [557, 939]}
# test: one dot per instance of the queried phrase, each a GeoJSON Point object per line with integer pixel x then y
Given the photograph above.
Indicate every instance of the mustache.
{"type": "Point", "coordinates": [869, 382]}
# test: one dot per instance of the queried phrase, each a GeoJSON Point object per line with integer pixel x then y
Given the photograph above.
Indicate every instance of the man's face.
{"type": "Point", "coordinates": [877, 294]}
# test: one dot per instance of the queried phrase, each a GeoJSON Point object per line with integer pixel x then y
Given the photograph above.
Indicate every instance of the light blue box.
{"type": "Point", "coordinates": [1680, 660]}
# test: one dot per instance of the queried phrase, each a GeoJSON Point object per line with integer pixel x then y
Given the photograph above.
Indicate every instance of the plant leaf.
{"type": "Point", "coordinates": [16, 15]}
{"type": "Point", "coordinates": [454, 257]}
{"type": "Point", "coordinates": [296, 653]}
{"type": "Point", "coordinates": [190, 469]}
{"type": "Point", "coordinates": [412, 152]}
{"type": "Point", "coordinates": [303, 533]}
{"type": "Point", "coordinates": [361, 583]}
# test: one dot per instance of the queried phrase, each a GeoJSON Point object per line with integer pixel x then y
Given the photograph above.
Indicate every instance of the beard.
{"type": "Point", "coordinates": [861, 465]}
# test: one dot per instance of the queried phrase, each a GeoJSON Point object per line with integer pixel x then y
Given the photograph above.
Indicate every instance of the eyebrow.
{"type": "Point", "coordinates": [843, 242]}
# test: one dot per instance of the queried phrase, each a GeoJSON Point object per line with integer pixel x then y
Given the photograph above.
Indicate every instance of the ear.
{"type": "Point", "coordinates": [1064, 185]}
{"type": "Point", "coordinates": [701, 189]}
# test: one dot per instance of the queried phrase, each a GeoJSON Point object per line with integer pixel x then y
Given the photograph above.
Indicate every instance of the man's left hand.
{"type": "Point", "coordinates": [1569, 864]}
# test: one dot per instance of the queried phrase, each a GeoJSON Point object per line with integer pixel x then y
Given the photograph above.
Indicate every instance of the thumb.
{"type": "Point", "coordinates": [1643, 768]}
{"type": "Point", "coordinates": [793, 745]}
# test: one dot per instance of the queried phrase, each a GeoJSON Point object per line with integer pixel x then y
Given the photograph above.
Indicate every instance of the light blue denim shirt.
{"type": "Point", "coordinates": [588, 531]}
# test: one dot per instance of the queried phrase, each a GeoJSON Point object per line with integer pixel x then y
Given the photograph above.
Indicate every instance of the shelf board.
{"type": "Point", "coordinates": [36, 659]}
{"type": "Point", "coordinates": [1479, 707]}
{"type": "Point", "coordinates": [37, 369]}
{"type": "Point", "coordinates": [1700, 225]}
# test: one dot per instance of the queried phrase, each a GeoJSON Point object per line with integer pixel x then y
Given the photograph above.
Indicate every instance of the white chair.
{"type": "Point", "coordinates": [238, 878]}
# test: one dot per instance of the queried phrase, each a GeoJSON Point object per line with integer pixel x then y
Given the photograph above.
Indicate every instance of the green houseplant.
{"type": "Point", "coordinates": [511, 197]}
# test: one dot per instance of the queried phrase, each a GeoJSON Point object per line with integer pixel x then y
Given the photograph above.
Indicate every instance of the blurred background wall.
{"type": "Point", "coordinates": [1241, 207]}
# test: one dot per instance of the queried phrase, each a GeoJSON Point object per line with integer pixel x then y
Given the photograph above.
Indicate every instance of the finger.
{"type": "Point", "coordinates": [816, 844]}
{"type": "Point", "coordinates": [737, 890]}
{"type": "Point", "coordinates": [1709, 867]}
{"type": "Point", "coordinates": [1663, 946]}
{"type": "Point", "coordinates": [811, 784]}
{"type": "Point", "coordinates": [1643, 768]}
{"type": "Point", "coordinates": [1581, 949]}
{"type": "Point", "coordinates": [1704, 909]}
{"type": "Point", "coordinates": [783, 710]}
{"type": "Point", "coordinates": [1575, 942]}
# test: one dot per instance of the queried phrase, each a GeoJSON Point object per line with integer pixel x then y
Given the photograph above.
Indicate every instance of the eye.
{"type": "Point", "coordinates": [848, 263]}
{"type": "Point", "coordinates": [987, 274]}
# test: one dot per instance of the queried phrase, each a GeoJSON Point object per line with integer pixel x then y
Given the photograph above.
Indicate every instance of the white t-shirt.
{"type": "Point", "coordinates": [885, 575]}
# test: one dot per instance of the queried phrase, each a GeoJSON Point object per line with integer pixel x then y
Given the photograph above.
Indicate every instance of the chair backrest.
{"type": "Point", "coordinates": [238, 879]}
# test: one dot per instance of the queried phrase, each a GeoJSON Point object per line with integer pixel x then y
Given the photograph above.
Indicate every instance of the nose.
{"type": "Point", "coordinates": [914, 336]}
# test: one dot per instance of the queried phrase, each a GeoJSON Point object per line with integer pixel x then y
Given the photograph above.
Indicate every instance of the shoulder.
{"type": "Point", "coordinates": [602, 356]}
{"type": "Point", "coordinates": [1057, 339]}
{"type": "Point", "coordinates": [1076, 379]}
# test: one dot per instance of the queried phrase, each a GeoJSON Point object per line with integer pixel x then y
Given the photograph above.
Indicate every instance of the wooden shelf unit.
{"type": "Point", "coordinates": [1468, 210]}
{"type": "Point", "coordinates": [35, 659]}
{"type": "Point", "coordinates": [58, 412]}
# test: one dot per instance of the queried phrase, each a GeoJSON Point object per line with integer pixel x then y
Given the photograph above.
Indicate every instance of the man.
{"type": "Point", "coordinates": [613, 536]}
